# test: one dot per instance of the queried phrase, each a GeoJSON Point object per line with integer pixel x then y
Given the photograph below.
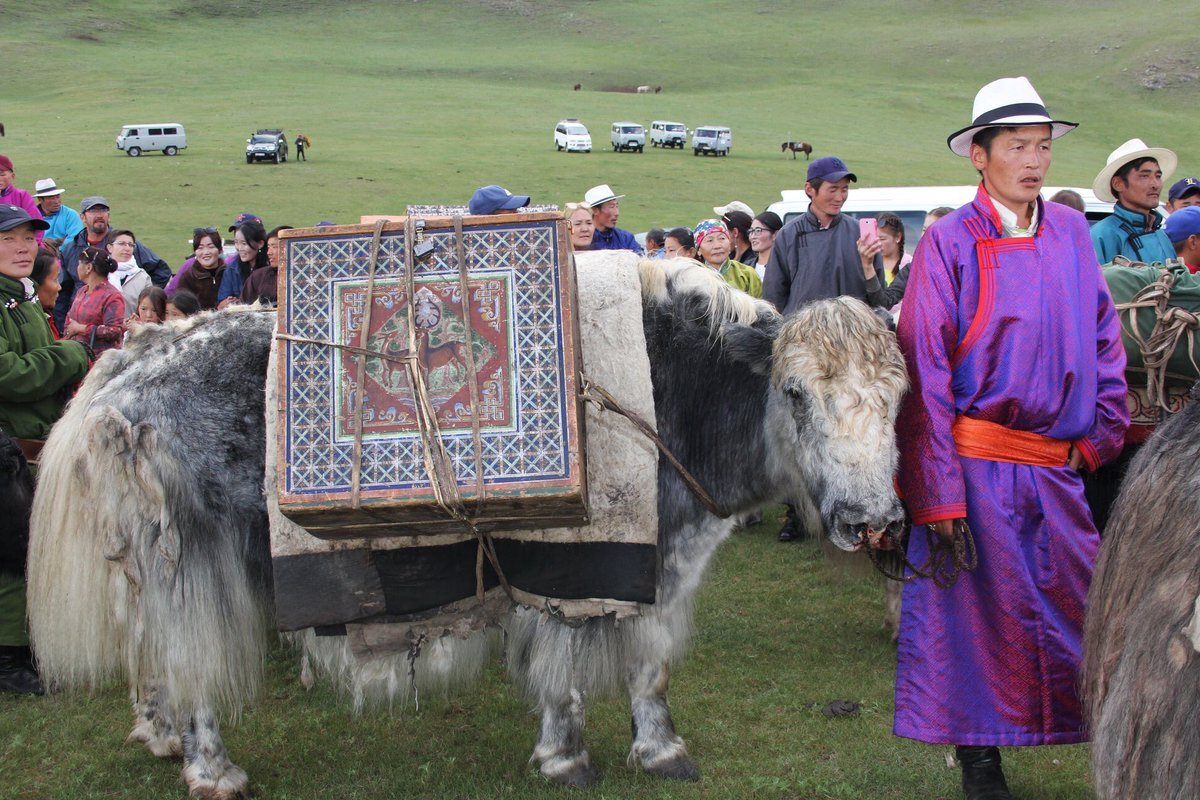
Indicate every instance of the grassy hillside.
{"type": "Point", "coordinates": [422, 102]}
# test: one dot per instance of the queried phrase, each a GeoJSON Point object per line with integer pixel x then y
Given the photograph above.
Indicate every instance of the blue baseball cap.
{"type": "Point", "coordinates": [243, 218]}
{"type": "Point", "coordinates": [1183, 223]}
{"type": "Point", "coordinates": [830, 168]}
{"type": "Point", "coordinates": [490, 199]}
{"type": "Point", "coordinates": [1182, 188]}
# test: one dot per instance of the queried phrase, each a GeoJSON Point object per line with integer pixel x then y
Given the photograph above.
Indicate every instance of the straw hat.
{"type": "Point", "coordinates": [1131, 151]}
{"type": "Point", "coordinates": [1004, 102]}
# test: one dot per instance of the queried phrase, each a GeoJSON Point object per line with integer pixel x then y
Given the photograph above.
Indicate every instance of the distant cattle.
{"type": "Point", "coordinates": [795, 147]}
{"type": "Point", "coordinates": [643, 90]}
{"type": "Point", "coordinates": [578, 86]}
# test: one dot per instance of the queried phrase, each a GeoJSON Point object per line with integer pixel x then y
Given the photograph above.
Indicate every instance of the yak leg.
{"type": "Point", "coordinates": [207, 769]}
{"type": "Point", "coordinates": [153, 724]}
{"type": "Point", "coordinates": [560, 751]}
{"type": "Point", "coordinates": [655, 744]}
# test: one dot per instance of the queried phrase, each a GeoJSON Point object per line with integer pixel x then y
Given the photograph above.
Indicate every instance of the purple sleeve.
{"type": "Point", "coordinates": [1104, 441]}
{"type": "Point", "coordinates": [931, 477]}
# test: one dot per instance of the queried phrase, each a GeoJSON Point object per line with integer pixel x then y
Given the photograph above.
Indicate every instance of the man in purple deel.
{"type": "Point", "coordinates": [1017, 370]}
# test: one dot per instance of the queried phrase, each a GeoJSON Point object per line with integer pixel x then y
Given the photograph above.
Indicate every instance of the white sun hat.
{"type": "Point", "coordinates": [1004, 102]}
{"type": "Point", "coordinates": [598, 195]}
{"type": "Point", "coordinates": [733, 205]}
{"type": "Point", "coordinates": [1132, 151]}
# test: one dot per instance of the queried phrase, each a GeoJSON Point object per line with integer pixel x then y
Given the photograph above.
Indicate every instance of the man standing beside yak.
{"type": "Point", "coordinates": [1017, 370]}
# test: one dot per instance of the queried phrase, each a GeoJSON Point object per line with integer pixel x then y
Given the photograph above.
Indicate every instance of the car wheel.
{"type": "Point", "coordinates": [249, 159]}
{"type": "Point", "coordinates": [170, 151]}
{"type": "Point", "coordinates": [134, 151]}
{"type": "Point", "coordinates": [557, 147]}
{"type": "Point", "coordinates": [695, 151]}
{"type": "Point", "coordinates": [276, 157]}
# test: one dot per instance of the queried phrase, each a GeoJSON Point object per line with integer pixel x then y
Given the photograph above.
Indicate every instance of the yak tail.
{"type": "Point", "coordinates": [73, 591]}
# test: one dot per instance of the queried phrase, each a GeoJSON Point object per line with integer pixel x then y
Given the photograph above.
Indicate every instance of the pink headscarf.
{"type": "Point", "coordinates": [708, 226]}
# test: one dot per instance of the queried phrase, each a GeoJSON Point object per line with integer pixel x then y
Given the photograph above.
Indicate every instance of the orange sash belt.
{"type": "Point", "coordinates": [975, 438]}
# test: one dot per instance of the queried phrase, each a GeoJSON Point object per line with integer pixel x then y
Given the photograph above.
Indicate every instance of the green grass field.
{"type": "Point", "coordinates": [421, 102]}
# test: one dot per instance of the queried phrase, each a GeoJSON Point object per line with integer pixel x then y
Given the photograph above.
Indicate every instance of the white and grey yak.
{"type": "Point", "coordinates": [1141, 667]}
{"type": "Point", "coordinates": [158, 466]}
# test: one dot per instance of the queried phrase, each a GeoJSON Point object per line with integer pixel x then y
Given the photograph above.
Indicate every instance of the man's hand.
{"type": "Point", "coordinates": [867, 250]}
{"type": "Point", "coordinates": [944, 528]}
{"type": "Point", "coordinates": [1075, 461]}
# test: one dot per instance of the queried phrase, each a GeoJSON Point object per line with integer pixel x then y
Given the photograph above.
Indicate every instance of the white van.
{"type": "Point", "coordinates": [571, 134]}
{"type": "Point", "coordinates": [713, 139]}
{"type": "Point", "coordinates": [628, 136]}
{"type": "Point", "coordinates": [664, 133]}
{"type": "Point", "coordinates": [912, 203]}
{"type": "Point", "coordinates": [168, 137]}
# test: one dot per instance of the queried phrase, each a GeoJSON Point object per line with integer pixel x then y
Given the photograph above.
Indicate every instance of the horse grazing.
{"type": "Point", "coordinates": [578, 86]}
{"type": "Point", "coordinates": [645, 89]}
{"type": "Point", "coordinates": [150, 557]}
{"type": "Point", "coordinates": [1141, 669]}
{"type": "Point", "coordinates": [797, 147]}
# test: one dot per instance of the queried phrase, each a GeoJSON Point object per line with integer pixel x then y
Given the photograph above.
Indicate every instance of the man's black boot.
{"type": "Point", "coordinates": [17, 673]}
{"type": "Point", "coordinates": [982, 778]}
{"type": "Point", "coordinates": [791, 527]}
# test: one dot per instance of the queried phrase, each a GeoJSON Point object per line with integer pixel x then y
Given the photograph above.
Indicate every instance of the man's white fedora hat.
{"type": "Point", "coordinates": [1004, 102]}
{"type": "Point", "coordinates": [1132, 151]}
{"type": "Point", "coordinates": [598, 195]}
{"type": "Point", "coordinates": [46, 187]}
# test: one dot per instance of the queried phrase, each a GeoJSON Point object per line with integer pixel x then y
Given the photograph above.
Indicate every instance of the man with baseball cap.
{"type": "Point", "coordinates": [96, 232]}
{"type": "Point", "coordinates": [1183, 229]}
{"type": "Point", "coordinates": [13, 196]}
{"type": "Point", "coordinates": [1133, 179]}
{"type": "Point", "coordinates": [495, 199]}
{"type": "Point", "coordinates": [1016, 374]}
{"type": "Point", "coordinates": [35, 368]}
{"type": "Point", "coordinates": [1184, 192]}
{"type": "Point", "coordinates": [64, 221]}
{"type": "Point", "coordinates": [606, 208]}
{"type": "Point", "coordinates": [819, 255]}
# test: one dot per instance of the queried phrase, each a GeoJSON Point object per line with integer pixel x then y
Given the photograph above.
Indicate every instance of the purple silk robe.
{"type": "Point", "coordinates": [1020, 332]}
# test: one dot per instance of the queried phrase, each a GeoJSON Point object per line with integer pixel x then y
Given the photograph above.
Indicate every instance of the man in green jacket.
{"type": "Point", "coordinates": [36, 372]}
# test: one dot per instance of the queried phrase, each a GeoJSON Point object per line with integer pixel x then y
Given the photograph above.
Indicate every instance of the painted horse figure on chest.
{"type": "Point", "coordinates": [150, 555]}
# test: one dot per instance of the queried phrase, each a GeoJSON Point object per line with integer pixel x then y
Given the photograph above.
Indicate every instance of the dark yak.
{"type": "Point", "coordinates": [756, 407]}
{"type": "Point", "coordinates": [1141, 670]}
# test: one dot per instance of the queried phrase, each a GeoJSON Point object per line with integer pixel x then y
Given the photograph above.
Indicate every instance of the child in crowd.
{"type": "Point", "coordinates": [181, 305]}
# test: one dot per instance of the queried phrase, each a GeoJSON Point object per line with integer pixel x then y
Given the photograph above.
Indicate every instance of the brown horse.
{"type": "Point", "coordinates": [797, 147]}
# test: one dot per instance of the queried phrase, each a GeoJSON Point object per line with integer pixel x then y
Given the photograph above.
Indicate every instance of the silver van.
{"type": "Point", "coordinates": [713, 139]}
{"type": "Point", "coordinates": [664, 133]}
{"type": "Point", "coordinates": [168, 137]}
{"type": "Point", "coordinates": [628, 136]}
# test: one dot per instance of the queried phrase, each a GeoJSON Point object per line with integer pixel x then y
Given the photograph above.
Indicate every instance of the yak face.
{"type": "Point", "coordinates": [839, 378]}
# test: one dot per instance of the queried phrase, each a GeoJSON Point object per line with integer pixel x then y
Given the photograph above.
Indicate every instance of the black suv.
{"type": "Point", "coordinates": [267, 144]}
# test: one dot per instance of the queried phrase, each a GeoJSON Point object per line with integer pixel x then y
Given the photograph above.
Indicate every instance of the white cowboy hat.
{"type": "Point", "coordinates": [733, 205]}
{"type": "Point", "coordinates": [1003, 102]}
{"type": "Point", "coordinates": [1132, 151]}
{"type": "Point", "coordinates": [46, 187]}
{"type": "Point", "coordinates": [598, 195]}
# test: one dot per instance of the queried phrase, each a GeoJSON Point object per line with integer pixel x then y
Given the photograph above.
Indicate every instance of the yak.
{"type": "Point", "coordinates": [1141, 668]}
{"type": "Point", "coordinates": [173, 592]}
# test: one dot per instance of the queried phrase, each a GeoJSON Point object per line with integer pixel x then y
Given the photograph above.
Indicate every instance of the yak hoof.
{"type": "Point", "coordinates": [679, 768]}
{"type": "Point", "coordinates": [233, 784]}
{"type": "Point", "coordinates": [158, 745]}
{"type": "Point", "coordinates": [578, 776]}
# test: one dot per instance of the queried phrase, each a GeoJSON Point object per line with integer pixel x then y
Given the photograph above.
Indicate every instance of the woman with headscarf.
{"type": "Point", "coordinates": [714, 244]}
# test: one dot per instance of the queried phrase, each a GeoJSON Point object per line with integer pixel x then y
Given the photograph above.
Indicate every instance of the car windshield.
{"type": "Point", "coordinates": [264, 139]}
{"type": "Point", "coordinates": [632, 129]}
{"type": "Point", "coordinates": [706, 132]}
{"type": "Point", "coordinates": [675, 128]}
{"type": "Point", "coordinates": [577, 129]}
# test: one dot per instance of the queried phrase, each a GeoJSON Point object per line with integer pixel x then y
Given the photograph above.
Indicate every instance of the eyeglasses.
{"type": "Point", "coordinates": [758, 230]}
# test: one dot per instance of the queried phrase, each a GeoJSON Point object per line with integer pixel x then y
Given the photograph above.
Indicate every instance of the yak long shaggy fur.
{"type": "Point", "coordinates": [150, 557]}
{"type": "Point", "coordinates": [1141, 669]}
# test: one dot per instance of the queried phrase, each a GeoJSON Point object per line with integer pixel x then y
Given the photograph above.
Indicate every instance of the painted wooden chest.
{"type": "Point", "coordinates": [398, 367]}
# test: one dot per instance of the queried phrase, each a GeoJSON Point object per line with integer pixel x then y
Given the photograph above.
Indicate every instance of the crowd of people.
{"type": "Point", "coordinates": [1013, 346]}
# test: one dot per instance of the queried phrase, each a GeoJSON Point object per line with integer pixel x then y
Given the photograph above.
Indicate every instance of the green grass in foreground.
{"type": "Point", "coordinates": [780, 632]}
